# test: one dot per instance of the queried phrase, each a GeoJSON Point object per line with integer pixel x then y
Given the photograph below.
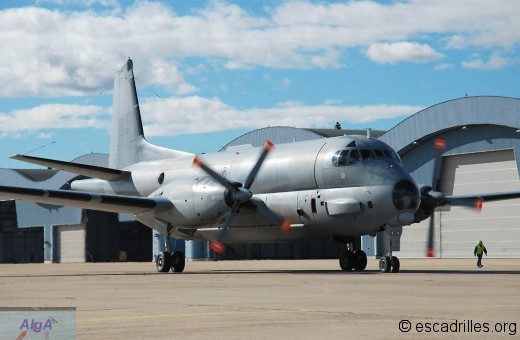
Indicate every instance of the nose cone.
{"type": "Point", "coordinates": [406, 195]}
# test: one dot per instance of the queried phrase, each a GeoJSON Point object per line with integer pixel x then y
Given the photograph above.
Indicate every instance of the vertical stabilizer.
{"type": "Point", "coordinates": [127, 142]}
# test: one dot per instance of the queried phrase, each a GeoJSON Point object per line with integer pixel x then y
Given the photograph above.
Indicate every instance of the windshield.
{"type": "Point", "coordinates": [353, 156]}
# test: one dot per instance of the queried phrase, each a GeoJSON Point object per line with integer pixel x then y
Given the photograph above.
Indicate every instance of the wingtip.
{"type": "Point", "coordinates": [17, 156]}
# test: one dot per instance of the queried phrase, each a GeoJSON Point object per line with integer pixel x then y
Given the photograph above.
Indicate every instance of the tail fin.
{"type": "Point", "coordinates": [127, 142]}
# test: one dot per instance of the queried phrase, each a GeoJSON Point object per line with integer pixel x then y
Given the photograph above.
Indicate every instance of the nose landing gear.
{"type": "Point", "coordinates": [389, 264]}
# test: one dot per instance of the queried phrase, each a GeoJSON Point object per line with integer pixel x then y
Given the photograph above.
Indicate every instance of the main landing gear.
{"type": "Point", "coordinates": [389, 264]}
{"type": "Point", "coordinates": [356, 260]}
{"type": "Point", "coordinates": [174, 261]}
{"type": "Point", "coordinates": [166, 261]}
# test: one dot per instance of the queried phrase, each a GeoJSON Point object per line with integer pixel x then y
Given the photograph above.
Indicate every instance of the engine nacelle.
{"type": "Point", "coordinates": [197, 202]}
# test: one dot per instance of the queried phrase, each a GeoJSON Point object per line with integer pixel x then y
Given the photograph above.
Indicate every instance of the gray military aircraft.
{"type": "Point", "coordinates": [335, 188]}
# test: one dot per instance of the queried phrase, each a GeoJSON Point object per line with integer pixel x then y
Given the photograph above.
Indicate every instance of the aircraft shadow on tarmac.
{"type": "Point", "coordinates": [284, 271]}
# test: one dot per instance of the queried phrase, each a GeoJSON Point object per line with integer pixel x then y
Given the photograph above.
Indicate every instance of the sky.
{"type": "Point", "coordinates": [209, 71]}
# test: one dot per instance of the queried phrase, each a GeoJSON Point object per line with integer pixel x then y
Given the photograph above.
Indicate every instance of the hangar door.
{"type": "Point", "coordinates": [71, 243]}
{"type": "Point", "coordinates": [498, 224]}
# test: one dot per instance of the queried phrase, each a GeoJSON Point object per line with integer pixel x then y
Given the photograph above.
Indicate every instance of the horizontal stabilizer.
{"type": "Point", "coordinates": [87, 200]}
{"type": "Point", "coordinates": [93, 171]}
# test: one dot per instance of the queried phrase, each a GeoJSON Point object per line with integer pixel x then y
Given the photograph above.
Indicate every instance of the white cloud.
{"type": "Point", "coordinates": [386, 53]}
{"type": "Point", "coordinates": [65, 52]}
{"type": "Point", "coordinates": [196, 115]}
{"type": "Point", "coordinates": [443, 67]}
{"type": "Point", "coordinates": [494, 62]}
{"type": "Point", "coordinates": [52, 116]}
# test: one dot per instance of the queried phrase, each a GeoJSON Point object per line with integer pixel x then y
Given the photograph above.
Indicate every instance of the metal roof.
{"type": "Point", "coordinates": [287, 134]}
{"type": "Point", "coordinates": [453, 114]}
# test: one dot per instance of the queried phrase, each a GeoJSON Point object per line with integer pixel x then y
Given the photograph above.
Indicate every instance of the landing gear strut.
{"type": "Point", "coordinates": [391, 241]}
{"type": "Point", "coordinates": [356, 260]}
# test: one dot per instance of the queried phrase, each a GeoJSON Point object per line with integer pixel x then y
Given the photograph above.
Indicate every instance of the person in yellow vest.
{"type": "Point", "coordinates": [480, 249]}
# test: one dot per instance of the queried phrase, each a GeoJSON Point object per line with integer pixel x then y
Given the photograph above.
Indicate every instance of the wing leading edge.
{"type": "Point", "coordinates": [108, 174]}
{"type": "Point", "coordinates": [87, 200]}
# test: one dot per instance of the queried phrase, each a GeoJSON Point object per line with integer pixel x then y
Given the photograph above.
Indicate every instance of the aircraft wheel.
{"type": "Point", "coordinates": [360, 260]}
{"type": "Point", "coordinates": [178, 261]}
{"type": "Point", "coordinates": [395, 264]}
{"type": "Point", "coordinates": [162, 262]}
{"type": "Point", "coordinates": [346, 260]}
{"type": "Point", "coordinates": [385, 264]}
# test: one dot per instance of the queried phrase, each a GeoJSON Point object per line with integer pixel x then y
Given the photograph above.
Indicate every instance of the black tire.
{"type": "Point", "coordinates": [385, 264]}
{"type": "Point", "coordinates": [162, 262]}
{"type": "Point", "coordinates": [395, 264]}
{"type": "Point", "coordinates": [360, 260]}
{"type": "Point", "coordinates": [346, 260]}
{"type": "Point", "coordinates": [178, 262]}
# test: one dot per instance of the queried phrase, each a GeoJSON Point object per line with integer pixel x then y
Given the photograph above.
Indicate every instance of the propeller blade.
{"type": "Point", "coordinates": [430, 250]}
{"type": "Point", "coordinates": [268, 146]}
{"type": "Point", "coordinates": [284, 223]}
{"type": "Point", "coordinates": [433, 198]}
{"type": "Point", "coordinates": [225, 183]}
{"type": "Point", "coordinates": [240, 195]}
{"type": "Point", "coordinates": [217, 245]}
{"type": "Point", "coordinates": [475, 202]}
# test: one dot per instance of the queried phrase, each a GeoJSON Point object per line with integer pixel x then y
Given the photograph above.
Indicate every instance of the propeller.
{"type": "Point", "coordinates": [434, 198]}
{"type": "Point", "coordinates": [240, 194]}
{"type": "Point", "coordinates": [431, 199]}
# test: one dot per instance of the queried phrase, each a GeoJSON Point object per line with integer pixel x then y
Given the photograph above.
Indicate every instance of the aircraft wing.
{"type": "Point", "coordinates": [108, 174]}
{"type": "Point", "coordinates": [87, 200]}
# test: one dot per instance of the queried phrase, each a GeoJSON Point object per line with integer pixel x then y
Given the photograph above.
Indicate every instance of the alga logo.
{"type": "Point", "coordinates": [36, 327]}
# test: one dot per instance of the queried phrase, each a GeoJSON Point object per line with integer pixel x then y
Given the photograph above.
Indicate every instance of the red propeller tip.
{"type": "Point", "coordinates": [286, 225]}
{"type": "Point", "coordinates": [197, 161]}
{"type": "Point", "coordinates": [217, 247]}
{"type": "Point", "coordinates": [479, 201]}
{"type": "Point", "coordinates": [268, 146]}
{"type": "Point", "coordinates": [430, 252]}
{"type": "Point", "coordinates": [440, 143]}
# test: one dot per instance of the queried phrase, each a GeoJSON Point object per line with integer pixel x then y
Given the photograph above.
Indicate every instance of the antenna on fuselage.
{"type": "Point", "coordinates": [369, 133]}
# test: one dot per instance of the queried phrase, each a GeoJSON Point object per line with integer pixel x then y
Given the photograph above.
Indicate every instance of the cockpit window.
{"type": "Point", "coordinates": [354, 156]}
{"type": "Point", "coordinates": [349, 157]}
{"type": "Point", "coordinates": [379, 153]}
{"type": "Point", "coordinates": [395, 156]}
{"type": "Point", "coordinates": [367, 154]}
{"type": "Point", "coordinates": [340, 158]}
{"type": "Point", "coordinates": [346, 157]}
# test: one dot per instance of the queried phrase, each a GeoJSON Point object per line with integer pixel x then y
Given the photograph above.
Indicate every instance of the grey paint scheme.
{"type": "Point", "coordinates": [128, 145]}
{"type": "Point", "coordinates": [292, 178]}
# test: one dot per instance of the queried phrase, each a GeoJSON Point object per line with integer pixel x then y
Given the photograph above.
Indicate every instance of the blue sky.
{"type": "Point", "coordinates": [209, 71]}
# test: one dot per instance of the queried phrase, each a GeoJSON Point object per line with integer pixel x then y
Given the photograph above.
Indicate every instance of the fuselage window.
{"type": "Point", "coordinates": [387, 154]}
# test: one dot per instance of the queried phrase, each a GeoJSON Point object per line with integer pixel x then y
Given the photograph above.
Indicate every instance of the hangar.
{"type": "Point", "coordinates": [462, 146]}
